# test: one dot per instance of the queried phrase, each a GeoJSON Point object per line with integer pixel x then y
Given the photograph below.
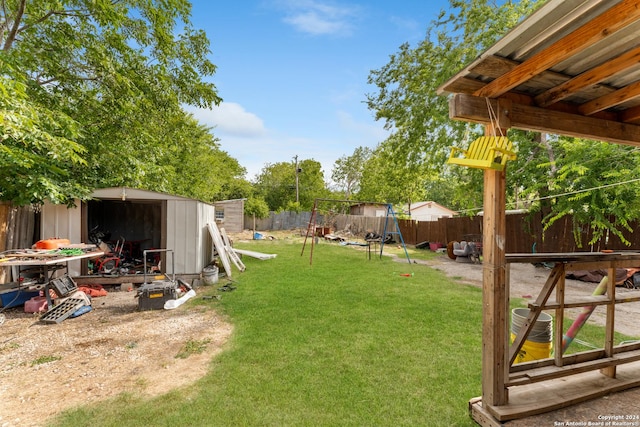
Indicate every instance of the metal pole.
{"type": "Point", "coordinates": [297, 186]}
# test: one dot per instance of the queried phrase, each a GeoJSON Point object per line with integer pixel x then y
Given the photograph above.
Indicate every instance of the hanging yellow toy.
{"type": "Point", "coordinates": [486, 152]}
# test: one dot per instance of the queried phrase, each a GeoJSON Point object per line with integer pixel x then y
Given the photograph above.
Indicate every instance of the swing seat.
{"type": "Point", "coordinates": [486, 152]}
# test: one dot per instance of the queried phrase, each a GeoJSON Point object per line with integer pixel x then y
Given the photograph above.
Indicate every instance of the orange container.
{"type": "Point", "coordinates": [51, 243]}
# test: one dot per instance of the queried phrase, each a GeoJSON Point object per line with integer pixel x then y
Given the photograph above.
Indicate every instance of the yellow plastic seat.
{"type": "Point", "coordinates": [486, 152]}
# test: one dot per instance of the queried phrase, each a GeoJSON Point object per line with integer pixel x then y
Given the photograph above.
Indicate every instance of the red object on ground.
{"type": "Point", "coordinates": [35, 305]}
{"type": "Point", "coordinates": [93, 290]}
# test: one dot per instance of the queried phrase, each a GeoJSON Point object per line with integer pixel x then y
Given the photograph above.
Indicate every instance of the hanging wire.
{"type": "Point", "coordinates": [493, 118]}
{"type": "Point", "coordinates": [564, 194]}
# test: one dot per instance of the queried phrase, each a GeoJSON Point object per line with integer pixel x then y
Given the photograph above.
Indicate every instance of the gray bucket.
{"type": "Point", "coordinates": [542, 330]}
{"type": "Point", "coordinates": [210, 275]}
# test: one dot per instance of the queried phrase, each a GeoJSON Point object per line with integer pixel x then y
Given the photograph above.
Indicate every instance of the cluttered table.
{"type": "Point", "coordinates": [43, 263]}
{"type": "Point", "coordinates": [43, 257]}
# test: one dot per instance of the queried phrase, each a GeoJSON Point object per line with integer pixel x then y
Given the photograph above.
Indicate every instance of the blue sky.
{"type": "Point", "coordinates": [293, 73]}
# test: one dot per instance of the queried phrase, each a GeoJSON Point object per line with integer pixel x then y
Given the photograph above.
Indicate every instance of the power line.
{"type": "Point", "coordinates": [569, 193]}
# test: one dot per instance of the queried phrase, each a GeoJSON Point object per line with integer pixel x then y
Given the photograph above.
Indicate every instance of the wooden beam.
{"type": "Point", "coordinates": [495, 295]}
{"type": "Point", "coordinates": [611, 100]}
{"type": "Point", "coordinates": [630, 115]}
{"type": "Point", "coordinates": [526, 117]}
{"type": "Point", "coordinates": [589, 78]}
{"type": "Point", "coordinates": [612, 20]}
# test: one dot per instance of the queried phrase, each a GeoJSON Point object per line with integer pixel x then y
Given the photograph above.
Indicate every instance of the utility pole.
{"type": "Point", "coordinates": [297, 181]}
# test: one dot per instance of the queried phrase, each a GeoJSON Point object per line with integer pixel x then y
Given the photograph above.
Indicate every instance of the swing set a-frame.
{"type": "Point", "coordinates": [387, 231]}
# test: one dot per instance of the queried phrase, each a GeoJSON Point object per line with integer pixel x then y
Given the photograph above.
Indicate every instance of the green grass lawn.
{"type": "Point", "coordinates": [346, 341]}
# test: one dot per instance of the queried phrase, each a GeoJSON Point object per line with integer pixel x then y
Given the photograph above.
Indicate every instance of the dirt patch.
{"type": "Point", "coordinates": [47, 368]}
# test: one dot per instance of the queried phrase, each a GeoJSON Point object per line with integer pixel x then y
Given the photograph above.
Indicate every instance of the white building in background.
{"type": "Point", "coordinates": [428, 211]}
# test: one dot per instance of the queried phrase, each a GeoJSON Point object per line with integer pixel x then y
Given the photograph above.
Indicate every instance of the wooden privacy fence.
{"type": "Point", "coordinates": [523, 230]}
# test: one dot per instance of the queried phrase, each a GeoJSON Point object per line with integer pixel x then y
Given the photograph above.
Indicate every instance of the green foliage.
{"type": "Point", "coordinates": [257, 207]}
{"type": "Point", "coordinates": [585, 171]}
{"type": "Point", "coordinates": [347, 171]}
{"type": "Point", "coordinates": [276, 184]}
{"type": "Point", "coordinates": [407, 99]}
{"type": "Point", "coordinates": [411, 163]}
{"type": "Point", "coordinates": [389, 177]}
{"type": "Point", "coordinates": [45, 359]}
{"type": "Point", "coordinates": [38, 155]}
{"type": "Point", "coordinates": [99, 90]}
{"type": "Point", "coordinates": [192, 347]}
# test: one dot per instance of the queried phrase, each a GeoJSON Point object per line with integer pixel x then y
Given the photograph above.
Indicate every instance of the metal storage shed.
{"type": "Point", "coordinates": [150, 219]}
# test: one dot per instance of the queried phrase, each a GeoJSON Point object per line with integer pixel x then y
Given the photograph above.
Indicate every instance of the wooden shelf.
{"type": "Point", "coordinates": [533, 399]}
{"type": "Point", "coordinates": [585, 301]}
{"type": "Point", "coordinates": [588, 301]}
{"type": "Point", "coordinates": [552, 372]}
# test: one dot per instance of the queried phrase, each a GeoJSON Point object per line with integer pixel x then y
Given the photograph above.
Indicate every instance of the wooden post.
{"type": "Point", "coordinates": [609, 343]}
{"type": "Point", "coordinates": [495, 294]}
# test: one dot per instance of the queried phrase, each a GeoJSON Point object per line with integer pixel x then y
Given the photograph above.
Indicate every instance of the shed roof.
{"type": "Point", "coordinates": [126, 193]}
{"type": "Point", "coordinates": [572, 67]}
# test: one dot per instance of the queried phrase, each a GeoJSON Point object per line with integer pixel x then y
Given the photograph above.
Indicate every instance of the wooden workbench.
{"type": "Point", "coordinates": [46, 261]}
{"type": "Point", "coordinates": [542, 385]}
{"type": "Point", "coordinates": [44, 257]}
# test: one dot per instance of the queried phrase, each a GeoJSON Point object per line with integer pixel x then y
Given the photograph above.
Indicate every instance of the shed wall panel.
{"type": "Point", "coordinates": [58, 221]}
{"type": "Point", "coordinates": [181, 234]}
{"type": "Point", "coordinates": [206, 215]}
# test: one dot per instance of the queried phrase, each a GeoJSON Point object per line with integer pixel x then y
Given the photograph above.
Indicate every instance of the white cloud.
{"type": "Point", "coordinates": [230, 118]}
{"type": "Point", "coordinates": [319, 18]}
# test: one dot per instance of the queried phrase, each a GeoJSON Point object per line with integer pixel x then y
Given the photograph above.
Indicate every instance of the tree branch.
{"type": "Point", "coordinates": [14, 28]}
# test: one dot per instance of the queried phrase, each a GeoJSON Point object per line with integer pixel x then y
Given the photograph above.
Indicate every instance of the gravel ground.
{"type": "Point", "coordinates": [47, 368]}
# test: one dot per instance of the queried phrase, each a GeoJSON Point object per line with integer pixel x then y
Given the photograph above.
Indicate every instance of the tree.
{"type": "Point", "coordinates": [276, 183]}
{"type": "Point", "coordinates": [557, 175]}
{"type": "Point", "coordinates": [112, 75]}
{"type": "Point", "coordinates": [387, 178]}
{"type": "Point", "coordinates": [347, 170]}
{"type": "Point", "coordinates": [257, 208]}
{"type": "Point", "coordinates": [596, 184]}
{"type": "Point", "coordinates": [38, 153]}
{"type": "Point", "coordinates": [406, 96]}
{"type": "Point", "coordinates": [194, 166]}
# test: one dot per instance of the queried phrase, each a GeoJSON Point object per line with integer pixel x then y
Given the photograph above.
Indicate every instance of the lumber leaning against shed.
{"type": "Point", "coordinates": [220, 247]}
{"type": "Point", "coordinates": [232, 255]}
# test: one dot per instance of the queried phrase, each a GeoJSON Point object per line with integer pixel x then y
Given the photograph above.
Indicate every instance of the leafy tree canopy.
{"type": "Point", "coordinates": [276, 184]}
{"type": "Point", "coordinates": [558, 175]}
{"type": "Point", "coordinates": [347, 171]}
{"type": "Point", "coordinates": [102, 84]}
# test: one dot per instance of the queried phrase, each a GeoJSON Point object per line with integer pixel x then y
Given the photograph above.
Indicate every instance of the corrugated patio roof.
{"type": "Point", "coordinates": [572, 67]}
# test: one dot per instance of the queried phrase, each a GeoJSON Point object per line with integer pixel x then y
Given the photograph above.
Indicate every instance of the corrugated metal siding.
{"type": "Point", "coordinates": [58, 221]}
{"type": "Point", "coordinates": [181, 234]}
{"type": "Point", "coordinates": [187, 234]}
{"type": "Point", "coordinates": [206, 215]}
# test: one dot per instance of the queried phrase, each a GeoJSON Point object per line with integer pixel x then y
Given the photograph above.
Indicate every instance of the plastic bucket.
{"type": "Point", "coordinates": [539, 342]}
{"type": "Point", "coordinates": [210, 275]}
